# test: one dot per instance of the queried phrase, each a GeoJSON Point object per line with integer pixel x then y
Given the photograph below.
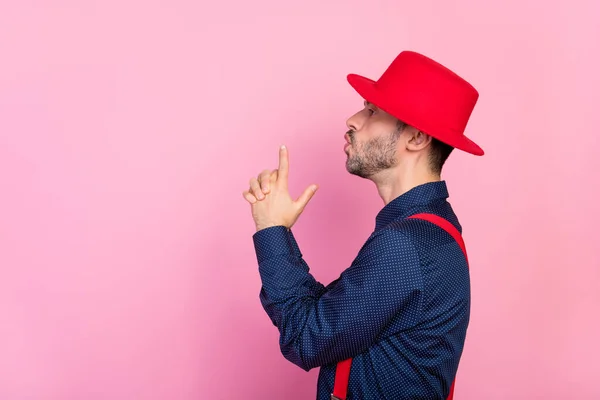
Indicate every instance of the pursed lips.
{"type": "Point", "coordinates": [348, 142]}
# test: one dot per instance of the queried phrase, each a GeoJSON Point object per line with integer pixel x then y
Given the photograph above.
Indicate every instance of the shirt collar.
{"type": "Point", "coordinates": [401, 206]}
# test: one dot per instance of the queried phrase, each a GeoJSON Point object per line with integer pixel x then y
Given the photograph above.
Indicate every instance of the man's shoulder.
{"type": "Point", "coordinates": [422, 233]}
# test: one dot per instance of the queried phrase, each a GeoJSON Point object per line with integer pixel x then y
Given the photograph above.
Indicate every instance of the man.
{"type": "Point", "coordinates": [400, 312]}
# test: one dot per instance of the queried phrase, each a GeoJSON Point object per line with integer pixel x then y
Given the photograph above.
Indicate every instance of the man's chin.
{"type": "Point", "coordinates": [355, 172]}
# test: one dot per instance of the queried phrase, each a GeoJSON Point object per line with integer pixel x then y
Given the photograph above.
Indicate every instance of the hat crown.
{"type": "Point", "coordinates": [430, 91]}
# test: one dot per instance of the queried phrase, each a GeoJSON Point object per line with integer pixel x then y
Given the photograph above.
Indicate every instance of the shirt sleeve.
{"type": "Point", "coordinates": [320, 326]}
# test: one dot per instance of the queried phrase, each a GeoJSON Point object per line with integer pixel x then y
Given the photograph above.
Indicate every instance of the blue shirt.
{"type": "Point", "coordinates": [400, 310]}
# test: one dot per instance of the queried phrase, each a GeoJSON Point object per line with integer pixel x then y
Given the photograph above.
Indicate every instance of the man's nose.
{"type": "Point", "coordinates": [354, 122]}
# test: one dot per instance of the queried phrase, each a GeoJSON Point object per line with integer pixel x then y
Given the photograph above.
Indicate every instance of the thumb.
{"type": "Point", "coordinates": [305, 197]}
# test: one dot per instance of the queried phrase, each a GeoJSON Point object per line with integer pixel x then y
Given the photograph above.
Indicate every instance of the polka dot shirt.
{"type": "Point", "coordinates": [400, 310]}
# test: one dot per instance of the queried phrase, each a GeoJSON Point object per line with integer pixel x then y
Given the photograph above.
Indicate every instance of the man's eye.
{"type": "Point", "coordinates": [371, 111]}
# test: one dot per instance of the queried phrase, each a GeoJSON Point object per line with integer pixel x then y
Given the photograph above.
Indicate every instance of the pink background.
{"type": "Point", "coordinates": [129, 129]}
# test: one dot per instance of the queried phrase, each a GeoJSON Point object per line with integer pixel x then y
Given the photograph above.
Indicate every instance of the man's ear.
{"type": "Point", "coordinates": [416, 140]}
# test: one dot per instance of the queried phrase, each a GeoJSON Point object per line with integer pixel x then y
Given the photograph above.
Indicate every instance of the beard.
{"type": "Point", "coordinates": [373, 156]}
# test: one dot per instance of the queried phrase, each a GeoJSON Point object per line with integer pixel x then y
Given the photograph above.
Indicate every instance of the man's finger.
{"type": "Point", "coordinates": [264, 178]}
{"type": "Point", "coordinates": [305, 197]}
{"type": "Point", "coordinates": [284, 164]}
{"type": "Point", "coordinates": [249, 197]}
{"type": "Point", "coordinates": [255, 189]}
{"type": "Point", "coordinates": [274, 176]}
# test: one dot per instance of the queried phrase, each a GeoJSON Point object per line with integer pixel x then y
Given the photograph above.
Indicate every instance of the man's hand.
{"type": "Point", "coordinates": [270, 199]}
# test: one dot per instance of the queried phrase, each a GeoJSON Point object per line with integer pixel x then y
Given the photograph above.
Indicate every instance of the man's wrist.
{"type": "Point", "coordinates": [263, 227]}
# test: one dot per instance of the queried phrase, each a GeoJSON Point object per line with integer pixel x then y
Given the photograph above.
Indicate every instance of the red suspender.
{"type": "Point", "coordinates": [342, 376]}
{"type": "Point", "coordinates": [445, 225]}
{"type": "Point", "coordinates": [342, 371]}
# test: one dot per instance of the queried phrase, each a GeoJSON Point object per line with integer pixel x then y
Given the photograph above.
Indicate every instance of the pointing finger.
{"type": "Point", "coordinates": [283, 164]}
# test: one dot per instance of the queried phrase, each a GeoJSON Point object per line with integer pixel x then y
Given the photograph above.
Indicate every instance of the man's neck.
{"type": "Point", "coordinates": [391, 184]}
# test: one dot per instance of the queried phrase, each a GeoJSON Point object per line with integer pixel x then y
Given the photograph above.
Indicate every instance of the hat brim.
{"type": "Point", "coordinates": [367, 89]}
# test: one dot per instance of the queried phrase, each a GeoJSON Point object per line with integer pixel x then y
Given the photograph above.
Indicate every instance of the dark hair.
{"type": "Point", "coordinates": [438, 154]}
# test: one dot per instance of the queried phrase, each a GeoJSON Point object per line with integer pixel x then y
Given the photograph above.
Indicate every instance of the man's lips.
{"type": "Point", "coordinates": [348, 142]}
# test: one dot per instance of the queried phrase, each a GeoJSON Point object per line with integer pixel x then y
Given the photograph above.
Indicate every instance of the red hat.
{"type": "Point", "coordinates": [423, 93]}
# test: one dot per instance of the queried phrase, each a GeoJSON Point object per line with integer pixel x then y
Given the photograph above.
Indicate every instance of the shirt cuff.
{"type": "Point", "coordinates": [294, 244]}
{"type": "Point", "coordinates": [273, 241]}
